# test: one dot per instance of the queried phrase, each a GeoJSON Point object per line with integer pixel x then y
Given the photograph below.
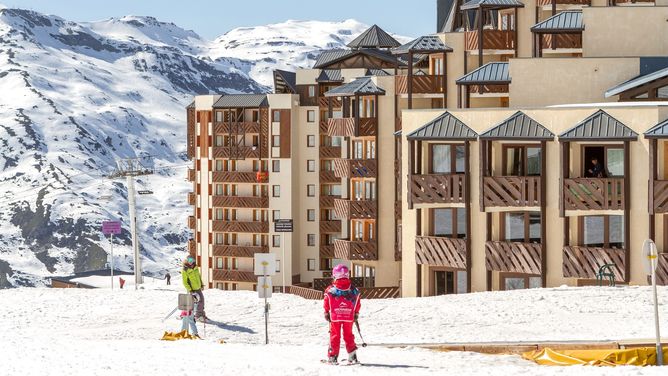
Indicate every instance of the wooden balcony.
{"type": "Point", "coordinates": [192, 249]}
{"type": "Point", "coordinates": [324, 125]}
{"type": "Point", "coordinates": [192, 223]}
{"type": "Point", "coordinates": [345, 127]}
{"type": "Point", "coordinates": [191, 174]}
{"type": "Point", "coordinates": [238, 251]}
{"type": "Point", "coordinates": [440, 251]}
{"type": "Point", "coordinates": [512, 191]}
{"type": "Point", "coordinates": [492, 40]}
{"type": "Point", "coordinates": [355, 250]}
{"type": "Point", "coordinates": [421, 84]}
{"type": "Point", "coordinates": [513, 257]}
{"type": "Point", "coordinates": [662, 270]}
{"type": "Point", "coordinates": [236, 152]}
{"type": "Point", "coordinates": [570, 41]}
{"type": "Point", "coordinates": [330, 227]}
{"type": "Point", "coordinates": [437, 189]}
{"type": "Point", "coordinates": [594, 194]}
{"type": "Point", "coordinates": [241, 202]}
{"type": "Point", "coordinates": [329, 177]}
{"type": "Point", "coordinates": [660, 200]}
{"type": "Point", "coordinates": [323, 102]}
{"type": "Point", "coordinates": [489, 89]}
{"type": "Point", "coordinates": [238, 226]}
{"type": "Point", "coordinates": [236, 128]}
{"type": "Point", "coordinates": [192, 198]}
{"type": "Point", "coordinates": [330, 152]}
{"type": "Point", "coordinates": [583, 262]}
{"type": "Point", "coordinates": [328, 201]}
{"type": "Point", "coordinates": [355, 168]}
{"type": "Point", "coordinates": [355, 209]}
{"type": "Point", "coordinates": [235, 177]}
{"type": "Point", "coordinates": [327, 251]}
{"type": "Point", "coordinates": [564, 2]}
{"type": "Point", "coordinates": [233, 276]}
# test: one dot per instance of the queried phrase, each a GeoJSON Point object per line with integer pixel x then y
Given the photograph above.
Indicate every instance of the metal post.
{"type": "Point", "coordinates": [133, 229]}
{"type": "Point", "coordinates": [266, 306]}
{"type": "Point", "coordinates": [659, 350]}
{"type": "Point", "coordinates": [283, 261]}
{"type": "Point", "coordinates": [111, 263]}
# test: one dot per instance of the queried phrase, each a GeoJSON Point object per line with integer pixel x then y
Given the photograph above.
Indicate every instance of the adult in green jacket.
{"type": "Point", "coordinates": [192, 281]}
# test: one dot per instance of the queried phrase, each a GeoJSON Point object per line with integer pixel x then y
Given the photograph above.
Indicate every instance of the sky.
{"type": "Point", "coordinates": [211, 19]}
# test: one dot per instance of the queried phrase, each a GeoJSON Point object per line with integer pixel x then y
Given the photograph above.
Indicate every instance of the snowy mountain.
{"type": "Point", "coordinates": [75, 97]}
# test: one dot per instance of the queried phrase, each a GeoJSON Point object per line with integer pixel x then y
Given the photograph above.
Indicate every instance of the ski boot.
{"type": "Point", "coordinates": [333, 359]}
{"type": "Point", "coordinates": [352, 358]}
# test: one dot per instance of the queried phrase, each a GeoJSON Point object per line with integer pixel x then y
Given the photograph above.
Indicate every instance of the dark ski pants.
{"type": "Point", "coordinates": [335, 337]}
{"type": "Point", "coordinates": [200, 304]}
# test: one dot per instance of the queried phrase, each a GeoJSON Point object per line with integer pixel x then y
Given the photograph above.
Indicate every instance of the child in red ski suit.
{"type": "Point", "coordinates": [342, 306]}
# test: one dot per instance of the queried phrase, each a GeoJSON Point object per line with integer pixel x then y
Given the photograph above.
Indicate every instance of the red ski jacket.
{"type": "Point", "coordinates": [342, 301]}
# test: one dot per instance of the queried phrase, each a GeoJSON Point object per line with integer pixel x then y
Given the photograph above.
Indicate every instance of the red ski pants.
{"type": "Point", "coordinates": [335, 337]}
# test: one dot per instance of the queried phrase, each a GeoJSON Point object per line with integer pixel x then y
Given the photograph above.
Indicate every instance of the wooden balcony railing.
{"type": "Point", "coordinates": [513, 257]}
{"type": "Point", "coordinates": [355, 209]}
{"type": "Point", "coordinates": [594, 194]}
{"type": "Point", "coordinates": [192, 249]}
{"type": "Point", "coordinates": [330, 152]}
{"type": "Point", "coordinates": [584, 262]}
{"type": "Point", "coordinates": [329, 177]}
{"type": "Point", "coordinates": [192, 198]}
{"type": "Point", "coordinates": [305, 292]}
{"type": "Point", "coordinates": [192, 223]}
{"type": "Point", "coordinates": [662, 270]}
{"type": "Point", "coordinates": [421, 84]}
{"type": "Point", "coordinates": [440, 251]}
{"type": "Point", "coordinates": [355, 168]}
{"type": "Point", "coordinates": [324, 126]}
{"type": "Point", "coordinates": [330, 227]}
{"type": "Point", "coordinates": [488, 89]}
{"type": "Point", "coordinates": [236, 152]}
{"type": "Point", "coordinates": [233, 276]}
{"type": "Point", "coordinates": [391, 292]}
{"type": "Point", "coordinates": [235, 177]}
{"type": "Point", "coordinates": [328, 201]}
{"type": "Point", "coordinates": [660, 199]}
{"type": "Point", "coordinates": [321, 284]}
{"type": "Point", "coordinates": [323, 102]}
{"type": "Point", "coordinates": [437, 188]}
{"type": "Point", "coordinates": [345, 127]}
{"type": "Point", "coordinates": [237, 127]}
{"type": "Point", "coordinates": [240, 202]}
{"type": "Point", "coordinates": [565, 2]}
{"type": "Point", "coordinates": [238, 226]}
{"type": "Point", "coordinates": [513, 191]}
{"type": "Point", "coordinates": [238, 251]}
{"type": "Point", "coordinates": [191, 174]}
{"type": "Point", "coordinates": [570, 41]}
{"type": "Point", "coordinates": [492, 40]}
{"type": "Point", "coordinates": [355, 250]}
{"type": "Point", "coordinates": [326, 251]}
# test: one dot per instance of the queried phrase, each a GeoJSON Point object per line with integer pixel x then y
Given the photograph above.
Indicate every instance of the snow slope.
{"type": "Point", "coordinates": [103, 332]}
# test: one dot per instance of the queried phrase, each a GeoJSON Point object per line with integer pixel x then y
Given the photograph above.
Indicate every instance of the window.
{"type": "Point", "coordinates": [219, 116]}
{"type": "Point", "coordinates": [219, 262]}
{"type": "Point", "coordinates": [276, 241]}
{"type": "Point", "coordinates": [522, 161]}
{"type": "Point", "coordinates": [310, 165]}
{"type": "Point", "coordinates": [368, 273]}
{"type": "Point", "coordinates": [219, 214]}
{"type": "Point", "coordinates": [276, 115]}
{"type": "Point", "coordinates": [275, 141]}
{"type": "Point", "coordinates": [523, 227]}
{"type": "Point", "coordinates": [310, 240]}
{"type": "Point", "coordinates": [363, 230]}
{"type": "Point", "coordinates": [220, 238]}
{"type": "Point", "coordinates": [449, 222]}
{"type": "Point", "coordinates": [513, 281]}
{"type": "Point", "coordinates": [310, 215]}
{"type": "Point", "coordinates": [275, 215]}
{"type": "Point", "coordinates": [326, 264]}
{"type": "Point", "coordinates": [278, 266]}
{"type": "Point", "coordinates": [310, 141]}
{"type": "Point", "coordinates": [602, 231]}
{"type": "Point", "coordinates": [310, 116]}
{"type": "Point", "coordinates": [367, 107]}
{"type": "Point", "coordinates": [363, 189]}
{"type": "Point", "coordinates": [311, 91]}
{"type": "Point", "coordinates": [235, 286]}
{"type": "Point", "coordinates": [276, 190]}
{"type": "Point", "coordinates": [219, 140]}
{"type": "Point", "coordinates": [310, 190]}
{"type": "Point", "coordinates": [364, 149]}
{"type": "Point", "coordinates": [276, 165]}
{"type": "Point", "coordinates": [310, 265]}
{"type": "Point", "coordinates": [219, 165]}
{"type": "Point", "coordinates": [603, 161]}
{"type": "Point", "coordinates": [447, 159]}
{"type": "Point", "coordinates": [449, 282]}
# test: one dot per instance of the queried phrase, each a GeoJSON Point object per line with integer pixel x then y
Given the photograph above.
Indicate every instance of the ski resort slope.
{"type": "Point", "coordinates": [104, 332]}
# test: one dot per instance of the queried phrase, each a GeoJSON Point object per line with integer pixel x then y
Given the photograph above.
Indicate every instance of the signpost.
{"type": "Point", "coordinates": [111, 228]}
{"type": "Point", "coordinates": [283, 225]}
{"type": "Point", "coordinates": [265, 266]}
{"type": "Point", "coordinates": [651, 257]}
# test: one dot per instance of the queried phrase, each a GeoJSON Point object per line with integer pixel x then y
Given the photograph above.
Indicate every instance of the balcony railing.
{"type": "Point", "coordinates": [238, 251]}
{"type": "Point", "coordinates": [328, 201]}
{"type": "Point", "coordinates": [437, 188]}
{"type": "Point", "coordinates": [237, 127]}
{"type": "Point", "coordinates": [421, 84]}
{"type": "Point", "coordinates": [192, 249]}
{"type": "Point", "coordinates": [355, 209]}
{"type": "Point", "coordinates": [323, 102]}
{"type": "Point", "coordinates": [660, 199]}
{"type": "Point", "coordinates": [330, 152]}
{"type": "Point", "coordinates": [594, 194]}
{"type": "Point", "coordinates": [440, 251]}
{"type": "Point", "coordinates": [584, 262]}
{"type": "Point", "coordinates": [192, 198]}
{"type": "Point", "coordinates": [240, 202]}
{"type": "Point", "coordinates": [330, 227]}
{"type": "Point", "coordinates": [233, 276]}
{"type": "Point", "coordinates": [632, 1]}
{"type": "Point", "coordinates": [570, 41]}
{"type": "Point", "coordinates": [662, 270]}
{"type": "Point", "coordinates": [329, 177]}
{"type": "Point", "coordinates": [492, 40]}
{"type": "Point", "coordinates": [327, 251]}
{"type": "Point", "coordinates": [238, 226]}
{"type": "Point", "coordinates": [488, 89]}
{"type": "Point", "coordinates": [236, 152]}
{"type": "Point", "coordinates": [191, 174]}
{"type": "Point", "coordinates": [355, 168]}
{"type": "Point", "coordinates": [513, 257]}
{"type": "Point", "coordinates": [345, 127]}
{"type": "Point", "coordinates": [192, 223]}
{"type": "Point", "coordinates": [355, 250]}
{"type": "Point", "coordinates": [235, 177]}
{"type": "Point", "coordinates": [565, 2]}
{"type": "Point", "coordinates": [514, 191]}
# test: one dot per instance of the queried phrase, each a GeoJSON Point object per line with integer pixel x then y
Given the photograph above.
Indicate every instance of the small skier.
{"type": "Point", "coordinates": [188, 320]}
{"type": "Point", "coordinates": [342, 306]}
{"type": "Point", "coordinates": [192, 281]}
{"type": "Point", "coordinates": [168, 277]}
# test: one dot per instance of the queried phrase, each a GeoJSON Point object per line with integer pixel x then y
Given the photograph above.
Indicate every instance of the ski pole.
{"type": "Point", "coordinates": [357, 325]}
{"type": "Point", "coordinates": [171, 313]}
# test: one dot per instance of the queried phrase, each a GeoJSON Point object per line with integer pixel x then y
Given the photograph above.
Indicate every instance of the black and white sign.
{"type": "Point", "coordinates": [283, 225]}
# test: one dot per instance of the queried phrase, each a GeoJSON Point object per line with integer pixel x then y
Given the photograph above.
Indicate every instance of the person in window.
{"type": "Point", "coordinates": [596, 170]}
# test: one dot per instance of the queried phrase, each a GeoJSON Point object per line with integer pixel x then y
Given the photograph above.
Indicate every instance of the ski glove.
{"type": "Point", "coordinates": [327, 317]}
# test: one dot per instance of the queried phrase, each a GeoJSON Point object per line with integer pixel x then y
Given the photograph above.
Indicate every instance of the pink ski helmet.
{"type": "Point", "coordinates": [340, 271]}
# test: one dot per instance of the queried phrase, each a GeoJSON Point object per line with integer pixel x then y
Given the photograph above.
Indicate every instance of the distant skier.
{"type": "Point", "coordinates": [342, 306]}
{"type": "Point", "coordinates": [192, 281]}
{"type": "Point", "coordinates": [168, 277]}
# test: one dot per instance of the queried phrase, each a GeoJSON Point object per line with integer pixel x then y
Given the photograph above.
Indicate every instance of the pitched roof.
{"type": "Point", "coordinates": [658, 131]}
{"type": "Point", "coordinates": [518, 127]}
{"type": "Point", "coordinates": [241, 100]}
{"type": "Point", "coordinates": [374, 37]}
{"type": "Point", "coordinates": [599, 126]}
{"type": "Point", "coordinates": [360, 86]}
{"type": "Point", "coordinates": [376, 72]}
{"type": "Point", "coordinates": [192, 105]}
{"type": "Point", "coordinates": [426, 43]}
{"type": "Point", "coordinates": [492, 4]}
{"type": "Point", "coordinates": [285, 81]}
{"type": "Point", "coordinates": [635, 82]}
{"type": "Point", "coordinates": [444, 127]}
{"type": "Point", "coordinates": [329, 57]}
{"type": "Point", "coordinates": [569, 20]}
{"type": "Point", "coordinates": [495, 72]}
{"type": "Point", "coordinates": [330, 75]}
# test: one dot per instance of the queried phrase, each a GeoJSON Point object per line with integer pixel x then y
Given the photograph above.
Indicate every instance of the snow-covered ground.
{"type": "Point", "coordinates": [100, 332]}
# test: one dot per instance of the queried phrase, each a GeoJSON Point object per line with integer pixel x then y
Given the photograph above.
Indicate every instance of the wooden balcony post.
{"type": "Point", "coordinates": [445, 80]}
{"type": "Point", "coordinates": [627, 211]}
{"type": "Point", "coordinates": [515, 31]}
{"type": "Point", "coordinates": [410, 80]}
{"type": "Point", "coordinates": [356, 113]}
{"type": "Point", "coordinates": [467, 187]}
{"type": "Point", "coordinates": [483, 169]}
{"type": "Point", "coordinates": [411, 172]}
{"type": "Point", "coordinates": [543, 212]}
{"type": "Point", "coordinates": [480, 36]}
{"type": "Point", "coordinates": [652, 178]}
{"type": "Point", "coordinates": [459, 96]}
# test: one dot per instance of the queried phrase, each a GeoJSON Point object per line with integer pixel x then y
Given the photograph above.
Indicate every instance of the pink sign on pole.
{"type": "Point", "coordinates": [111, 227]}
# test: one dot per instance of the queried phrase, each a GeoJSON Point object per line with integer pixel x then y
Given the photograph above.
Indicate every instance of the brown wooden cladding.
{"type": "Point", "coordinates": [594, 194]}
{"type": "Point", "coordinates": [329, 177]}
{"type": "Point", "coordinates": [330, 227]}
{"type": "Point", "coordinates": [191, 175]}
{"type": "Point", "coordinates": [437, 188]}
{"type": "Point", "coordinates": [355, 250]}
{"type": "Point", "coordinates": [236, 127]}
{"type": "Point", "coordinates": [236, 152]}
{"type": "Point", "coordinates": [568, 2]}
{"type": "Point", "coordinates": [321, 284]}
{"type": "Point", "coordinates": [191, 121]}
{"type": "Point", "coordinates": [583, 262]}
{"type": "Point", "coordinates": [286, 139]}
{"type": "Point", "coordinates": [345, 127]}
{"type": "Point", "coordinates": [492, 40]}
{"type": "Point", "coordinates": [192, 198]}
{"type": "Point", "coordinates": [233, 276]}
{"type": "Point", "coordinates": [255, 227]}
{"type": "Point", "coordinates": [562, 41]}
{"type": "Point", "coordinates": [192, 250]}
{"type": "Point", "coordinates": [512, 191]}
{"type": "Point", "coordinates": [330, 152]}
{"type": "Point", "coordinates": [380, 292]}
{"type": "Point", "coordinates": [234, 177]}
{"type": "Point", "coordinates": [355, 209]}
{"type": "Point", "coordinates": [328, 201]}
{"type": "Point", "coordinates": [323, 102]}
{"type": "Point", "coordinates": [355, 168]}
{"type": "Point", "coordinates": [240, 202]}
{"type": "Point", "coordinates": [305, 292]}
{"type": "Point", "coordinates": [304, 98]}
{"type": "Point", "coordinates": [427, 84]}
{"type": "Point", "coordinates": [660, 196]}
{"type": "Point", "coordinates": [440, 251]}
{"type": "Point", "coordinates": [488, 89]}
{"type": "Point", "coordinates": [324, 126]}
{"type": "Point", "coordinates": [264, 132]}
{"type": "Point", "coordinates": [192, 223]}
{"type": "Point", "coordinates": [238, 251]}
{"type": "Point", "coordinates": [513, 257]}
{"type": "Point", "coordinates": [326, 251]}
{"type": "Point", "coordinates": [205, 118]}
{"type": "Point", "coordinates": [662, 270]}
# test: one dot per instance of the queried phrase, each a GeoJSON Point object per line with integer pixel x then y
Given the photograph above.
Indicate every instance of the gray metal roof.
{"type": "Point", "coordinates": [444, 127]}
{"type": "Point", "coordinates": [518, 127]}
{"type": "Point", "coordinates": [241, 100]}
{"type": "Point", "coordinates": [495, 72]}
{"type": "Point", "coordinates": [360, 86]}
{"type": "Point", "coordinates": [329, 57]}
{"type": "Point", "coordinates": [376, 72]}
{"type": "Point", "coordinates": [374, 37]}
{"type": "Point", "coordinates": [492, 4]}
{"type": "Point", "coordinates": [658, 131]}
{"type": "Point", "coordinates": [426, 43]}
{"type": "Point", "coordinates": [599, 126]}
{"type": "Point", "coordinates": [569, 20]}
{"type": "Point", "coordinates": [330, 75]}
{"type": "Point", "coordinates": [635, 82]}
{"type": "Point", "coordinates": [285, 80]}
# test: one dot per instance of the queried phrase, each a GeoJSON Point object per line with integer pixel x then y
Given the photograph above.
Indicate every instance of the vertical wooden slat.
{"type": "Point", "coordinates": [467, 190]}
{"type": "Point", "coordinates": [543, 212]}
{"type": "Point", "coordinates": [627, 211]}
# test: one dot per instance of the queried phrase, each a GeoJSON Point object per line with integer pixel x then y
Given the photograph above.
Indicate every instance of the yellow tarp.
{"type": "Point", "coordinates": [644, 356]}
{"type": "Point", "coordinates": [175, 336]}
